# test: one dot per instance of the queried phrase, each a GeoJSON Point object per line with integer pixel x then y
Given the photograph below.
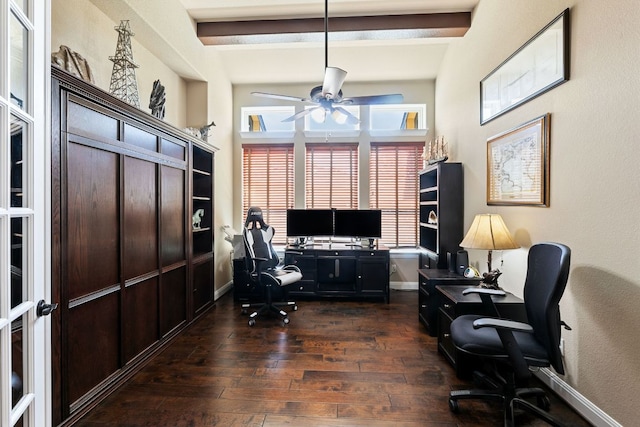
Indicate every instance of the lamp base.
{"type": "Point", "coordinates": [490, 286]}
{"type": "Point", "coordinates": [490, 279]}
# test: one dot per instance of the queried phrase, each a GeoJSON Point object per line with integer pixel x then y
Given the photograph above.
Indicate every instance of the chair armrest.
{"type": "Point", "coordinates": [292, 268]}
{"type": "Point", "coordinates": [485, 291]}
{"type": "Point", "coordinates": [487, 322]}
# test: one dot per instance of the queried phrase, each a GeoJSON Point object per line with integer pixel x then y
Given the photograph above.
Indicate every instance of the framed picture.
{"type": "Point", "coordinates": [540, 64]}
{"type": "Point", "coordinates": [518, 165]}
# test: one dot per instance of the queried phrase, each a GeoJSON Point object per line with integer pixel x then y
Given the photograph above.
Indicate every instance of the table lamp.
{"type": "Point", "coordinates": [489, 232]}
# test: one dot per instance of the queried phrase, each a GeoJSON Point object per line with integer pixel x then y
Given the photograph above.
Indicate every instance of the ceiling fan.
{"type": "Point", "coordinates": [328, 99]}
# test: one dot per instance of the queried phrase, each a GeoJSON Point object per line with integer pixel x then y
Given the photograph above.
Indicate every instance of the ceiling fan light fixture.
{"type": "Point", "coordinates": [339, 117]}
{"type": "Point", "coordinates": [319, 115]}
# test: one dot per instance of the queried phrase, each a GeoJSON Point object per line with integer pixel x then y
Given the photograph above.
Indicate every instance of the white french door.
{"type": "Point", "coordinates": [25, 338]}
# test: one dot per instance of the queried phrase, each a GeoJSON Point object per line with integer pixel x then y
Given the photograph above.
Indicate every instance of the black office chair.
{"type": "Point", "coordinates": [264, 268]}
{"type": "Point", "coordinates": [512, 348]}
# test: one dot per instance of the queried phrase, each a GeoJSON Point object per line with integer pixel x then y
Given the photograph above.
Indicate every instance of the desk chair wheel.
{"type": "Point", "coordinates": [285, 321]}
{"type": "Point", "coordinates": [295, 308]}
{"type": "Point", "coordinates": [543, 403]}
{"type": "Point", "coordinates": [453, 406]}
{"type": "Point", "coordinates": [252, 322]}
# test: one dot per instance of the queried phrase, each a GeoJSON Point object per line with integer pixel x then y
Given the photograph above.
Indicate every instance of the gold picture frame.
{"type": "Point", "coordinates": [518, 165]}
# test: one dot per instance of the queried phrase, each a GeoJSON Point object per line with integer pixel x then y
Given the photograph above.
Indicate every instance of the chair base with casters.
{"type": "Point", "coordinates": [281, 277]}
{"type": "Point", "coordinates": [511, 350]}
{"type": "Point", "coordinates": [503, 389]}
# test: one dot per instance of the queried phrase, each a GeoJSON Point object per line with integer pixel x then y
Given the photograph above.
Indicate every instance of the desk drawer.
{"type": "Point", "coordinates": [302, 287]}
{"type": "Point", "coordinates": [445, 343]}
{"type": "Point", "coordinates": [449, 308]}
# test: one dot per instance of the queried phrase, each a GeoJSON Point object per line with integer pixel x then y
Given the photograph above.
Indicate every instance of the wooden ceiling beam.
{"type": "Point", "coordinates": [346, 28]}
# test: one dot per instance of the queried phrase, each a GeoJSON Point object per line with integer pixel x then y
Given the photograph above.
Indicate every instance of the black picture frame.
{"type": "Point", "coordinates": [541, 64]}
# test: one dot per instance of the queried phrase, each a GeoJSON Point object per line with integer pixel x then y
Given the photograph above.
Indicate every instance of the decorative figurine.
{"type": "Point", "coordinates": [156, 100]}
{"type": "Point", "coordinates": [437, 151]}
{"type": "Point", "coordinates": [202, 132]}
{"type": "Point", "coordinates": [123, 77]}
{"type": "Point", "coordinates": [73, 63]}
{"type": "Point", "coordinates": [197, 219]}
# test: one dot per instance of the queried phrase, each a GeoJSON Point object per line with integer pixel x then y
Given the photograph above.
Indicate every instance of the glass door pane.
{"type": "Point", "coordinates": [17, 151]}
{"type": "Point", "coordinates": [19, 64]}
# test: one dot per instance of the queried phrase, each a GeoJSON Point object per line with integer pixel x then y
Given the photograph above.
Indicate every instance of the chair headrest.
{"type": "Point", "coordinates": [254, 215]}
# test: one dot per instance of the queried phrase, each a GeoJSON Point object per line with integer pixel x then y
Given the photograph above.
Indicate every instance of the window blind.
{"type": "Point", "coordinates": [267, 182]}
{"type": "Point", "coordinates": [331, 176]}
{"type": "Point", "coordinates": [393, 180]}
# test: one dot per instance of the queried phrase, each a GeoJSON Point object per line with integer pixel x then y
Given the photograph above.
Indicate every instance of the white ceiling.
{"type": "Point", "coordinates": [364, 60]}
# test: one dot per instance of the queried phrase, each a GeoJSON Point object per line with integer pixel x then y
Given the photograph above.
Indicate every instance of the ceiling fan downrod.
{"type": "Point", "coordinates": [326, 34]}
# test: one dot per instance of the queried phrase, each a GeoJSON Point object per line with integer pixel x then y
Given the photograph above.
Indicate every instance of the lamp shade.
{"type": "Point", "coordinates": [489, 232]}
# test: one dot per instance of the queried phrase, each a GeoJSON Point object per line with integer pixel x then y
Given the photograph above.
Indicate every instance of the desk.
{"type": "Point", "coordinates": [454, 304]}
{"type": "Point", "coordinates": [428, 296]}
{"type": "Point", "coordinates": [340, 271]}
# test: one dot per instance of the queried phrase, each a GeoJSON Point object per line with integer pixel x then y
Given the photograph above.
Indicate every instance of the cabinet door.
{"type": "Point", "coordinates": [373, 275]}
{"type": "Point", "coordinates": [307, 265]}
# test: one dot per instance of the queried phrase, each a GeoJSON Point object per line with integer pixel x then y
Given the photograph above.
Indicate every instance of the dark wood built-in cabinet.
{"type": "Point", "coordinates": [128, 268]}
{"type": "Point", "coordinates": [202, 226]}
{"type": "Point", "coordinates": [441, 213]}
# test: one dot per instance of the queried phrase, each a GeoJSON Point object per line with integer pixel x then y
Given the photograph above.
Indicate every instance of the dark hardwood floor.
{"type": "Point", "coordinates": [338, 363]}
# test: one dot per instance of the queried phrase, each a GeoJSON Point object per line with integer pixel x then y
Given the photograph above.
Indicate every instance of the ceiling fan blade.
{"type": "Point", "coordinates": [394, 98]}
{"type": "Point", "coordinates": [275, 96]}
{"type": "Point", "coordinates": [301, 114]}
{"type": "Point", "coordinates": [351, 119]}
{"type": "Point", "coordinates": [333, 79]}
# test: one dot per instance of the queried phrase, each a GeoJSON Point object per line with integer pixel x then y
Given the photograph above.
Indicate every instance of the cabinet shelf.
{"type": "Point", "coordinates": [201, 172]}
{"type": "Point", "coordinates": [201, 198]}
{"type": "Point", "coordinates": [440, 192]}
{"type": "Point", "coordinates": [427, 225]}
{"type": "Point", "coordinates": [428, 189]}
{"type": "Point", "coordinates": [200, 230]}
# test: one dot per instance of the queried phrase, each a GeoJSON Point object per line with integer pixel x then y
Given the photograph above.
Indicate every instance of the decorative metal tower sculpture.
{"type": "Point", "coordinates": [123, 77]}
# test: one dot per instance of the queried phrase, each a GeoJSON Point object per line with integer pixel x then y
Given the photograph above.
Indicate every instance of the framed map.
{"type": "Point", "coordinates": [518, 165]}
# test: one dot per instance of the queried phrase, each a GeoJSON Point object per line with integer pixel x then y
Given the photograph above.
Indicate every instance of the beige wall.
{"type": "Point", "coordinates": [83, 28]}
{"type": "Point", "coordinates": [595, 190]}
{"type": "Point", "coordinates": [197, 89]}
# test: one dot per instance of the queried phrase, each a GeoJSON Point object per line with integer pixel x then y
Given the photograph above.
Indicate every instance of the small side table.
{"type": "Point", "coordinates": [453, 304]}
{"type": "Point", "coordinates": [428, 296]}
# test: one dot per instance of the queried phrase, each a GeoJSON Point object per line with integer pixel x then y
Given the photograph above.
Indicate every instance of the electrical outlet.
{"type": "Point", "coordinates": [394, 268]}
{"type": "Point", "coordinates": [562, 346]}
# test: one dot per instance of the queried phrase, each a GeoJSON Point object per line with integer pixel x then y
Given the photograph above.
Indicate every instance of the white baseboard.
{"type": "Point", "coordinates": [577, 401]}
{"type": "Point", "coordinates": [223, 290]}
{"type": "Point", "coordinates": [403, 286]}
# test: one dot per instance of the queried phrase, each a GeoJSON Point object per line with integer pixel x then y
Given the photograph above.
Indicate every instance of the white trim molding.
{"type": "Point", "coordinates": [403, 286]}
{"type": "Point", "coordinates": [223, 290]}
{"type": "Point", "coordinates": [577, 401]}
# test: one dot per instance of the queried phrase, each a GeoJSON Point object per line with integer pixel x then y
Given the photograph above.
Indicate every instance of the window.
{"type": "Point", "coordinates": [267, 182]}
{"type": "Point", "coordinates": [331, 176]}
{"type": "Point", "coordinates": [393, 174]}
{"type": "Point", "coordinates": [267, 122]}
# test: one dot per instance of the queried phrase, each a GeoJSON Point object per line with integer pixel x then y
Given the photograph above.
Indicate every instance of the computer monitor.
{"type": "Point", "coordinates": [309, 222]}
{"type": "Point", "coordinates": [362, 223]}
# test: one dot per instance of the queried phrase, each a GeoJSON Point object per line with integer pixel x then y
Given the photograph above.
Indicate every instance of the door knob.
{"type": "Point", "coordinates": [44, 309]}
